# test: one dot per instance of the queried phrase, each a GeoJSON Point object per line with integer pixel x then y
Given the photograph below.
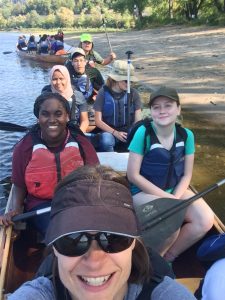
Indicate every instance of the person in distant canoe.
{"type": "Point", "coordinates": [98, 253]}
{"type": "Point", "coordinates": [92, 56]}
{"type": "Point", "coordinates": [32, 44]}
{"type": "Point", "coordinates": [60, 83]}
{"type": "Point", "coordinates": [44, 45]}
{"type": "Point", "coordinates": [22, 44]}
{"type": "Point", "coordinates": [114, 112]}
{"type": "Point", "coordinates": [52, 149]}
{"type": "Point", "coordinates": [160, 165]}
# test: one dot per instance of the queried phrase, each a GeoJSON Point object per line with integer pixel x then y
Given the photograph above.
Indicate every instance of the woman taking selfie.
{"type": "Point", "coordinates": [97, 250]}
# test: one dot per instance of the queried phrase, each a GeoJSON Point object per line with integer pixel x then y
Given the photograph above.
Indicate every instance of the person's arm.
{"type": "Point", "coordinates": [17, 200]}
{"type": "Point", "coordinates": [120, 135]}
{"type": "Point", "coordinates": [186, 178]}
{"type": "Point", "coordinates": [137, 115]}
{"type": "Point", "coordinates": [109, 59]}
{"type": "Point", "coordinates": [182, 186]}
{"type": "Point", "coordinates": [84, 122]}
{"type": "Point", "coordinates": [134, 176]}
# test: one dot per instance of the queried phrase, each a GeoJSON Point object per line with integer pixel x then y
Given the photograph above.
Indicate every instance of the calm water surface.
{"type": "Point", "coordinates": [20, 84]}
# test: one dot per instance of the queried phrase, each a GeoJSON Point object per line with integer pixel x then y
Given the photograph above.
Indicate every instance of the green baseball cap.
{"type": "Point", "coordinates": [165, 91]}
{"type": "Point", "coordinates": [86, 37]}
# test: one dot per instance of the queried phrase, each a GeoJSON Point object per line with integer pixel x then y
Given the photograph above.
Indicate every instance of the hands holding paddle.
{"type": "Point", "coordinates": [6, 219]}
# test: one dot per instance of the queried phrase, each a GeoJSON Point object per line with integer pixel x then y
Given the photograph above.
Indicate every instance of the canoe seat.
{"type": "Point", "coordinates": [190, 283]}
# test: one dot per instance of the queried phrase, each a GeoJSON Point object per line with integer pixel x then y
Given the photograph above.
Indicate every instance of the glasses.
{"type": "Point", "coordinates": [86, 42]}
{"type": "Point", "coordinates": [77, 244]}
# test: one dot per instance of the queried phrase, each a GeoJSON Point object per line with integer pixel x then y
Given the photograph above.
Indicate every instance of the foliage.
{"type": "Point", "coordinates": [64, 17]}
{"type": "Point", "coordinates": [117, 13]}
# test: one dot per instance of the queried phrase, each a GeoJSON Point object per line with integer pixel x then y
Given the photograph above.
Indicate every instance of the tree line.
{"type": "Point", "coordinates": [118, 13]}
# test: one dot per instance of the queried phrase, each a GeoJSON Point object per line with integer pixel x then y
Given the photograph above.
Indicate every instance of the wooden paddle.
{"type": "Point", "coordinates": [160, 218]}
{"type": "Point", "coordinates": [6, 126]}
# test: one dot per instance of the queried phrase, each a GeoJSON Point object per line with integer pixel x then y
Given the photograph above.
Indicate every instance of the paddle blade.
{"type": "Point", "coordinates": [157, 222]}
{"type": "Point", "coordinates": [7, 52]}
{"type": "Point", "coordinates": [6, 126]}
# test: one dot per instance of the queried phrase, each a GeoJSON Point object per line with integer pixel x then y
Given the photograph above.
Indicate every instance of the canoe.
{"type": "Point", "coordinates": [21, 252]}
{"type": "Point", "coordinates": [47, 58]}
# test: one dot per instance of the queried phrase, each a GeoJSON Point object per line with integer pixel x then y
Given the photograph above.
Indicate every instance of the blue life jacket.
{"type": "Point", "coordinates": [32, 46]}
{"type": "Point", "coordinates": [115, 111]}
{"type": "Point", "coordinates": [163, 167]}
{"type": "Point", "coordinates": [58, 45]}
{"type": "Point", "coordinates": [44, 47]}
{"type": "Point", "coordinates": [83, 84]}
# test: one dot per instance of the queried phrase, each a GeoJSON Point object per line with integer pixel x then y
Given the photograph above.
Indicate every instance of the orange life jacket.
{"type": "Point", "coordinates": [46, 168]}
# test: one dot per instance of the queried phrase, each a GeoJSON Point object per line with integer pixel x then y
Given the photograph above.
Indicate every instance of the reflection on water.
{"type": "Point", "coordinates": [20, 84]}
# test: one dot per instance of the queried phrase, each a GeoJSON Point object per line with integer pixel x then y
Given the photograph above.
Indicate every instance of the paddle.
{"type": "Point", "coordinates": [156, 218]}
{"type": "Point", "coordinates": [12, 127]}
{"type": "Point", "coordinates": [128, 53]}
{"type": "Point", "coordinates": [104, 25]}
{"type": "Point", "coordinates": [162, 217]}
{"type": "Point", "coordinates": [8, 52]}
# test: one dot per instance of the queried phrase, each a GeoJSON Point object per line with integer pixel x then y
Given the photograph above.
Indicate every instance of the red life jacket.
{"type": "Point", "coordinates": [46, 168]}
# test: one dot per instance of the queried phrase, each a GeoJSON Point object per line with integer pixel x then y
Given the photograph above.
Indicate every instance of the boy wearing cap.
{"type": "Point", "coordinates": [92, 56]}
{"type": "Point", "coordinates": [85, 79]}
{"type": "Point", "coordinates": [163, 169]}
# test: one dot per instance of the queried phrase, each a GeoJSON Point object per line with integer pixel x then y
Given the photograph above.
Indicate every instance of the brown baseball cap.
{"type": "Point", "coordinates": [165, 91]}
{"type": "Point", "coordinates": [92, 205]}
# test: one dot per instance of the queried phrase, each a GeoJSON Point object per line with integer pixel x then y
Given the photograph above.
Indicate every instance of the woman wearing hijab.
{"type": "Point", "coordinates": [60, 83]}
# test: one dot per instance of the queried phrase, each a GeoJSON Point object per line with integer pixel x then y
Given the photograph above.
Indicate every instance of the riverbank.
{"type": "Point", "coordinates": [192, 59]}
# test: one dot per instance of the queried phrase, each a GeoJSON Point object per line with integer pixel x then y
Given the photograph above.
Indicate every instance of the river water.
{"type": "Point", "coordinates": [22, 81]}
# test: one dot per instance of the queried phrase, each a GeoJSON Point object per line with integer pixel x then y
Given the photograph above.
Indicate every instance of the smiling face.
{"type": "Point", "coordinates": [164, 111]}
{"type": "Point", "coordinates": [52, 120]}
{"type": "Point", "coordinates": [96, 274]}
{"type": "Point", "coordinates": [59, 81]}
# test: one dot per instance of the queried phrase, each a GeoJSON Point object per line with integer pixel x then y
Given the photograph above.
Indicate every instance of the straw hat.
{"type": "Point", "coordinates": [119, 71]}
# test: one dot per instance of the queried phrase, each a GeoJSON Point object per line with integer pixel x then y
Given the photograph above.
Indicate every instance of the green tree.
{"type": "Point", "coordinates": [123, 5]}
{"type": "Point", "coordinates": [42, 7]}
{"type": "Point", "coordinates": [56, 4]}
{"type": "Point", "coordinates": [64, 17]}
{"type": "Point", "coordinates": [3, 22]}
{"type": "Point", "coordinates": [33, 19]}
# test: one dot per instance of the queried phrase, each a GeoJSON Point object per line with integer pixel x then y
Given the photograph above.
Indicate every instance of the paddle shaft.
{"type": "Point", "coordinates": [182, 204]}
{"type": "Point", "coordinates": [128, 53]}
{"type": "Point", "coordinates": [31, 214]}
{"type": "Point", "coordinates": [155, 220]}
{"type": "Point", "coordinates": [6, 126]}
{"type": "Point", "coordinates": [110, 46]}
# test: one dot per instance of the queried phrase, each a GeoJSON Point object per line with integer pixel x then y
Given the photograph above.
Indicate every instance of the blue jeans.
{"type": "Point", "coordinates": [40, 222]}
{"type": "Point", "coordinates": [106, 142]}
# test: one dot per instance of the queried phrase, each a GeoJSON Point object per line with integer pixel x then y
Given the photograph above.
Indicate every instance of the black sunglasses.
{"type": "Point", "coordinates": [77, 244]}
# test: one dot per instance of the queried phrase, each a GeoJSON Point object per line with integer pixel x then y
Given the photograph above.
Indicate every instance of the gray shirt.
{"type": "Point", "coordinates": [41, 288]}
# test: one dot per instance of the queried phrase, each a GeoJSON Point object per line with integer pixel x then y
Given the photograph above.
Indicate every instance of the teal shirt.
{"type": "Point", "coordinates": [137, 146]}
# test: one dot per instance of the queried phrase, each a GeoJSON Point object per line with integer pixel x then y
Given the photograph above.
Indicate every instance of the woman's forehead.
{"type": "Point", "coordinates": [52, 102]}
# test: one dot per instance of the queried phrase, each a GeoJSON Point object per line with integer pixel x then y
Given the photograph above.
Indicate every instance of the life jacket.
{"type": "Point", "coordinates": [58, 45]}
{"type": "Point", "coordinates": [115, 111]}
{"type": "Point", "coordinates": [44, 47]}
{"type": "Point", "coordinates": [46, 169]}
{"type": "Point", "coordinates": [22, 43]}
{"type": "Point", "coordinates": [32, 46]}
{"type": "Point", "coordinates": [163, 167]}
{"type": "Point", "coordinates": [83, 84]}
